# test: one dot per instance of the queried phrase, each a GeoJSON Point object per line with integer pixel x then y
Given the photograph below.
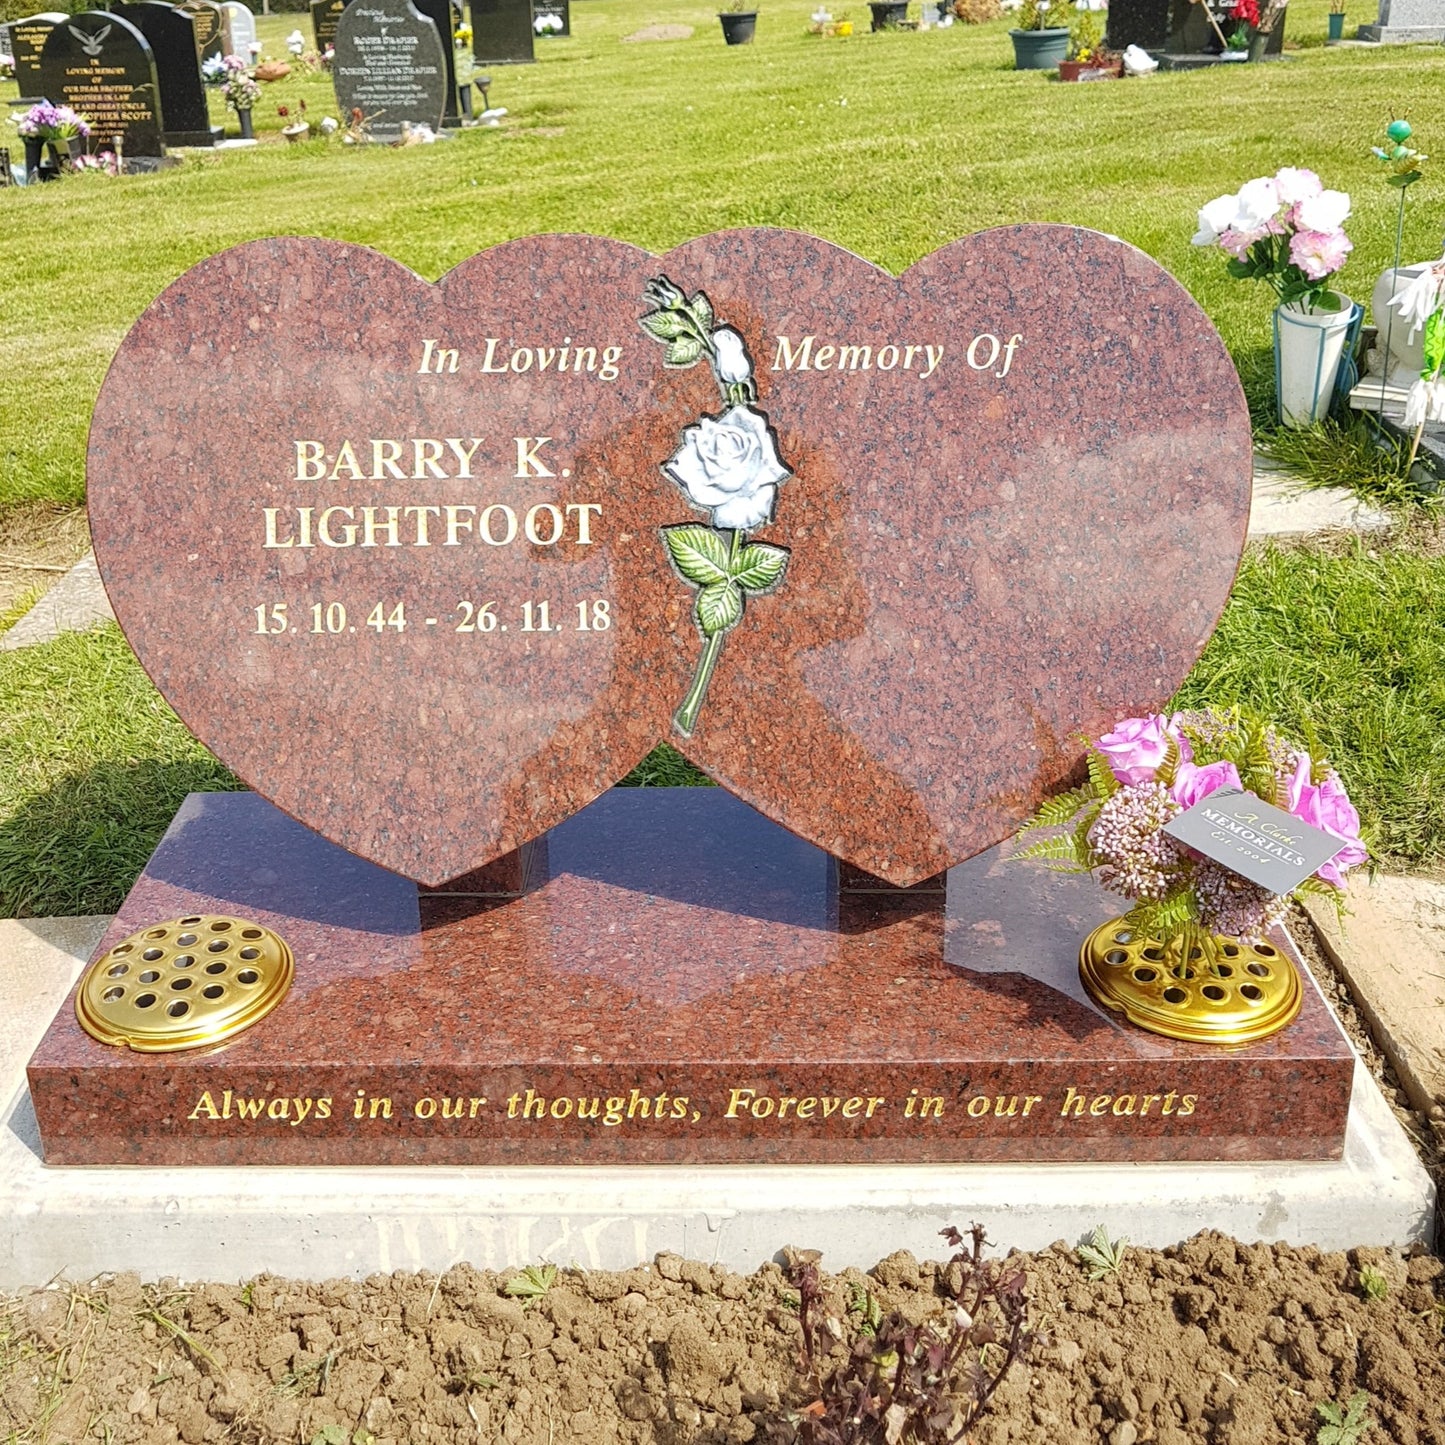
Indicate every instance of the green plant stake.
{"type": "Point", "coordinates": [1404, 165]}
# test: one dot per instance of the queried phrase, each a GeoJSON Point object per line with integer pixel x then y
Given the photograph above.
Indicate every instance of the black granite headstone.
{"type": "Point", "coordinates": [389, 65]}
{"type": "Point", "coordinates": [560, 9]}
{"type": "Point", "coordinates": [100, 65]}
{"type": "Point", "coordinates": [27, 40]}
{"type": "Point", "coordinates": [441, 14]}
{"type": "Point", "coordinates": [1176, 27]}
{"type": "Point", "coordinates": [502, 32]}
{"type": "Point", "coordinates": [171, 34]}
{"type": "Point", "coordinates": [213, 27]}
{"type": "Point", "coordinates": [325, 15]}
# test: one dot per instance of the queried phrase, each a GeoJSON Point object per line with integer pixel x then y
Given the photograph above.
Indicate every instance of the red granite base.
{"type": "Point", "coordinates": [684, 982]}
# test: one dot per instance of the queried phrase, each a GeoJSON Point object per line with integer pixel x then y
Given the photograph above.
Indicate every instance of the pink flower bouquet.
{"type": "Point", "coordinates": [1286, 229]}
{"type": "Point", "coordinates": [1149, 770]}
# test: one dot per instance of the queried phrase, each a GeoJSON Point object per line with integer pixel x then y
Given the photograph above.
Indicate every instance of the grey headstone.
{"type": "Point", "coordinates": [243, 27]}
{"type": "Point", "coordinates": [171, 34]}
{"type": "Point", "coordinates": [27, 40]}
{"type": "Point", "coordinates": [502, 32]}
{"type": "Point", "coordinates": [100, 65]}
{"type": "Point", "coordinates": [390, 66]}
{"type": "Point", "coordinates": [1403, 20]}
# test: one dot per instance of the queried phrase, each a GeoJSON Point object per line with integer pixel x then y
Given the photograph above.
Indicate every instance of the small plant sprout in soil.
{"type": "Point", "coordinates": [1343, 1427]}
{"type": "Point", "coordinates": [1373, 1283]}
{"type": "Point", "coordinates": [1102, 1255]}
{"type": "Point", "coordinates": [532, 1284]}
{"type": "Point", "coordinates": [898, 1382]}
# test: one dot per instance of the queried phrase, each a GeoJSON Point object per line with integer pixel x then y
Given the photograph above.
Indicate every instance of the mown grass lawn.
{"type": "Point", "coordinates": [890, 144]}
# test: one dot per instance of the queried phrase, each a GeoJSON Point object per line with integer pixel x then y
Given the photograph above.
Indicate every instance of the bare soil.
{"type": "Point", "coordinates": [1210, 1342]}
{"type": "Point", "coordinates": [39, 543]}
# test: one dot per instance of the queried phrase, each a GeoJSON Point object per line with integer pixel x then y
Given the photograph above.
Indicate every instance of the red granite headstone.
{"type": "Point", "coordinates": [406, 557]}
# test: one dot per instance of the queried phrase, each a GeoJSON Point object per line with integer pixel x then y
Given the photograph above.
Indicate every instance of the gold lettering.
{"type": "Point", "coordinates": [424, 1108]}
{"type": "Point", "coordinates": [511, 517]}
{"type": "Point", "coordinates": [205, 1102]}
{"type": "Point", "coordinates": [347, 458]}
{"type": "Point", "coordinates": [789, 358]}
{"type": "Point", "coordinates": [1186, 1105]}
{"type": "Point", "coordinates": [823, 358]}
{"type": "Point", "coordinates": [348, 532]}
{"type": "Point", "coordinates": [584, 522]}
{"type": "Point", "coordinates": [1148, 1099]}
{"type": "Point", "coordinates": [426, 458]}
{"type": "Point", "coordinates": [423, 538]}
{"type": "Point", "coordinates": [853, 1107]}
{"type": "Point", "coordinates": [310, 461]}
{"type": "Point", "coordinates": [530, 526]}
{"type": "Point", "coordinates": [855, 358]}
{"type": "Point", "coordinates": [384, 457]}
{"type": "Point", "coordinates": [463, 454]}
{"type": "Point", "coordinates": [323, 1107]}
{"type": "Point", "coordinates": [456, 525]}
{"type": "Point", "coordinates": [1124, 1104]}
{"type": "Point", "coordinates": [529, 464]}
{"type": "Point", "coordinates": [271, 540]}
{"type": "Point", "coordinates": [1100, 1104]}
{"type": "Point", "coordinates": [1075, 1100]}
{"type": "Point", "coordinates": [738, 1100]}
{"type": "Point", "coordinates": [369, 528]}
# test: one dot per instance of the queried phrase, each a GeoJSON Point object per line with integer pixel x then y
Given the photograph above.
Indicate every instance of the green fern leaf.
{"type": "Point", "coordinates": [1101, 775]}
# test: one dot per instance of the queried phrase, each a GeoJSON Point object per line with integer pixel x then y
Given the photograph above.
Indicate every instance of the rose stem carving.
{"type": "Point", "coordinates": [728, 466]}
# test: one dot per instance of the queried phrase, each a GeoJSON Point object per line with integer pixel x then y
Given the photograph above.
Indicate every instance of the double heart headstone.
{"type": "Point", "coordinates": [873, 552]}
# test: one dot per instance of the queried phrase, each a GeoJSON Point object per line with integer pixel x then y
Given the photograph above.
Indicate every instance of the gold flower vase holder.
{"type": "Point", "coordinates": [1203, 989]}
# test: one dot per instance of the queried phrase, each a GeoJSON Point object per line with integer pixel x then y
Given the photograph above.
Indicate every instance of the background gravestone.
{"type": "Point", "coordinates": [1176, 27]}
{"type": "Point", "coordinates": [325, 16]}
{"type": "Point", "coordinates": [27, 40]}
{"type": "Point", "coordinates": [102, 66]}
{"type": "Point", "coordinates": [502, 32]}
{"type": "Point", "coordinates": [1407, 20]}
{"type": "Point", "coordinates": [444, 17]}
{"type": "Point", "coordinates": [389, 65]}
{"type": "Point", "coordinates": [213, 27]}
{"type": "Point", "coordinates": [171, 34]}
{"type": "Point", "coordinates": [561, 9]}
{"type": "Point", "coordinates": [243, 27]}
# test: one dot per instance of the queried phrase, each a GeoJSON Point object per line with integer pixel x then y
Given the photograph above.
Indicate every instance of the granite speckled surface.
{"type": "Point", "coordinates": [681, 948]}
{"type": "Point", "coordinates": [982, 565]}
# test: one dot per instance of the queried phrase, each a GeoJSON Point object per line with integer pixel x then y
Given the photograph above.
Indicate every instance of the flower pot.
{"type": "Point", "coordinates": [1337, 26]}
{"type": "Point", "coordinates": [1074, 70]}
{"type": "Point", "coordinates": [1040, 49]}
{"type": "Point", "coordinates": [34, 150]}
{"type": "Point", "coordinates": [888, 14]}
{"type": "Point", "coordinates": [1308, 347]}
{"type": "Point", "coordinates": [74, 149]}
{"type": "Point", "coordinates": [1257, 43]}
{"type": "Point", "coordinates": [244, 116]}
{"type": "Point", "coordinates": [1241, 993]}
{"type": "Point", "coordinates": [298, 131]}
{"type": "Point", "coordinates": [739, 26]}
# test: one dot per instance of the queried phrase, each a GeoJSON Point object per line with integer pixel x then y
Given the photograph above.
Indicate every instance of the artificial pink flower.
{"type": "Point", "coordinates": [1192, 785]}
{"type": "Point", "coordinates": [1294, 184]}
{"type": "Point", "coordinates": [1138, 745]}
{"type": "Point", "coordinates": [1237, 243]}
{"type": "Point", "coordinates": [1327, 805]}
{"type": "Point", "coordinates": [1319, 253]}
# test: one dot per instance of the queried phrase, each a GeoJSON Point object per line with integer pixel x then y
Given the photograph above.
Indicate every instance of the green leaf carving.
{"type": "Point", "coordinates": [759, 566]}
{"type": "Point", "coordinates": [665, 325]}
{"type": "Point", "coordinates": [698, 552]}
{"type": "Point", "coordinates": [719, 606]}
{"type": "Point", "coordinates": [683, 352]}
{"type": "Point", "coordinates": [701, 310]}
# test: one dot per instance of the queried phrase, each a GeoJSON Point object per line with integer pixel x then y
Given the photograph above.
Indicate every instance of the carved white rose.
{"type": "Point", "coordinates": [730, 465]}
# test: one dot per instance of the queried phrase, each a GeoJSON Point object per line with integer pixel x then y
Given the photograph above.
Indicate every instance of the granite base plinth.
{"type": "Point", "coordinates": [683, 982]}
{"type": "Point", "coordinates": [1400, 34]}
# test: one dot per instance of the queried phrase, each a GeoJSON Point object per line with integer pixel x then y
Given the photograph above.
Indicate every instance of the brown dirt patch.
{"type": "Point", "coordinates": [1210, 1342]}
{"type": "Point", "coordinates": [39, 543]}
